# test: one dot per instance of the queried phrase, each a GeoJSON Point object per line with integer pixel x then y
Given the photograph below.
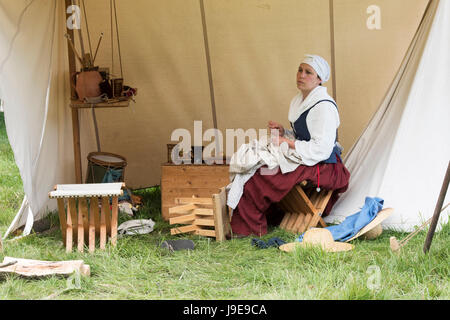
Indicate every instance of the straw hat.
{"type": "Point", "coordinates": [318, 236]}
{"type": "Point", "coordinates": [374, 227]}
{"type": "Point", "coordinates": [373, 234]}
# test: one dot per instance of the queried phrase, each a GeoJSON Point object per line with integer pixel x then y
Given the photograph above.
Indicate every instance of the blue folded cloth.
{"type": "Point", "coordinates": [352, 224]}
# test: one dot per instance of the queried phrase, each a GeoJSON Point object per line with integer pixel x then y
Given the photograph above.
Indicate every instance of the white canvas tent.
{"type": "Point", "coordinates": [253, 48]}
{"type": "Point", "coordinates": [403, 154]}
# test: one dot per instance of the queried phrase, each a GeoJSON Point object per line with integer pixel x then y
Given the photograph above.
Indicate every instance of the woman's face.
{"type": "Point", "coordinates": [307, 78]}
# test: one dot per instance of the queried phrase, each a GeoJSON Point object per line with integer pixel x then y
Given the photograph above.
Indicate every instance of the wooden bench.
{"type": "Point", "coordinates": [80, 217]}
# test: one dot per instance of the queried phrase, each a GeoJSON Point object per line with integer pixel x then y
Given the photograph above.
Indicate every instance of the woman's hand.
{"type": "Point", "coordinates": [279, 140]}
{"type": "Point", "coordinates": [272, 125]}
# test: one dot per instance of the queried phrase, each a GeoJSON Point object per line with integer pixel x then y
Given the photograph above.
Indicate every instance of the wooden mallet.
{"type": "Point", "coordinates": [396, 245]}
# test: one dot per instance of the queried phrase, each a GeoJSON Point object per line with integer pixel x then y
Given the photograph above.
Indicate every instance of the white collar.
{"type": "Point", "coordinates": [298, 105]}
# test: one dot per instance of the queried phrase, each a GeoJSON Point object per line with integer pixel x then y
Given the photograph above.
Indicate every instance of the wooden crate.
{"type": "Point", "coordinates": [202, 216]}
{"type": "Point", "coordinates": [187, 180]}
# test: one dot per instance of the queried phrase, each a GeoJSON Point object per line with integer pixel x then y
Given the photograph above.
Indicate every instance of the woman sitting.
{"type": "Point", "coordinates": [314, 118]}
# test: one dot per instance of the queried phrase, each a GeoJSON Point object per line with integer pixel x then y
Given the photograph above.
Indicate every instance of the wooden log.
{"type": "Point", "coordinates": [36, 268]}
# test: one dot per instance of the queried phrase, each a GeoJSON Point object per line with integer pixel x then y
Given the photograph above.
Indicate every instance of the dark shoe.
{"type": "Point", "coordinates": [272, 242]}
{"type": "Point", "coordinates": [275, 242]}
{"type": "Point", "coordinates": [259, 243]}
{"type": "Point", "coordinates": [175, 245]}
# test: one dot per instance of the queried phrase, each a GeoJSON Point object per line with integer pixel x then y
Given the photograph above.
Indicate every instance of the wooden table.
{"type": "Point", "coordinates": [187, 180]}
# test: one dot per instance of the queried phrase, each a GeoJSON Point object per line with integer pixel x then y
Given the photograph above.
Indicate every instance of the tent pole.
{"type": "Point", "coordinates": [208, 63]}
{"type": "Point", "coordinates": [73, 96]}
{"type": "Point", "coordinates": [437, 210]}
{"type": "Point", "coordinates": [333, 52]}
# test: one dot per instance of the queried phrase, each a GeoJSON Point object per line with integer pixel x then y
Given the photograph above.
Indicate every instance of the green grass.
{"type": "Point", "coordinates": [11, 189]}
{"type": "Point", "coordinates": [138, 269]}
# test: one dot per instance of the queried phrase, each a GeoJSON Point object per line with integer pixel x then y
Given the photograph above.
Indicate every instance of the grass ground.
{"type": "Point", "coordinates": [138, 269]}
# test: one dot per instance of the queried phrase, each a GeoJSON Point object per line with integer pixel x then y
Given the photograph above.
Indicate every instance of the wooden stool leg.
{"type": "Point", "coordinates": [305, 223]}
{"type": "Point", "coordinates": [105, 210]}
{"type": "Point", "coordinates": [93, 217]}
{"type": "Point", "coordinates": [62, 218]}
{"type": "Point", "coordinates": [298, 222]}
{"type": "Point", "coordinates": [82, 216]}
{"type": "Point", "coordinates": [114, 217]}
{"type": "Point", "coordinates": [107, 217]}
{"type": "Point", "coordinates": [97, 219]}
{"type": "Point", "coordinates": [71, 214]}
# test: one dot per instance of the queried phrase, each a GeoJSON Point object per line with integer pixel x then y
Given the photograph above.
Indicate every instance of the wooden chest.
{"type": "Point", "coordinates": [187, 180]}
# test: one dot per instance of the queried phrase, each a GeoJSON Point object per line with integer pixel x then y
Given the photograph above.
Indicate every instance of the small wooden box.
{"type": "Point", "coordinates": [187, 180]}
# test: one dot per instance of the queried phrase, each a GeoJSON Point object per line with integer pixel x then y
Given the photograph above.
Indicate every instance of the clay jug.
{"type": "Point", "coordinates": [88, 84]}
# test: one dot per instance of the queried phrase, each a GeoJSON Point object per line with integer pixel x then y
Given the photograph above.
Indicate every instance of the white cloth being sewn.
{"type": "Point", "coordinates": [250, 157]}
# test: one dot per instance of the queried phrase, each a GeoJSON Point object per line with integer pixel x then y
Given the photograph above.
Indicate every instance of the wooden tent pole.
{"type": "Point", "coordinates": [208, 63]}
{"type": "Point", "coordinates": [73, 96]}
{"type": "Point", "coordinates": [333, 51]}
{"type": "Point", "coordinates": [437, 210]}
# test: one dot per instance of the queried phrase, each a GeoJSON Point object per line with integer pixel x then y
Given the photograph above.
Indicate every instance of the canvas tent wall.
{"type": "Point", "coordinates": [403, 154]}
{"type": "Point", "coordinates": [254, 49]}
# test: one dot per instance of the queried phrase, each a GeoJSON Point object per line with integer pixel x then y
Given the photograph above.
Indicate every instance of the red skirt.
{"type": "Point", "coordinates": [262, 190]}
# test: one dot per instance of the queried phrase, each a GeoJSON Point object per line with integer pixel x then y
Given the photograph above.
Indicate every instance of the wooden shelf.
{"type": "Point", "coordinates": [113, 103]}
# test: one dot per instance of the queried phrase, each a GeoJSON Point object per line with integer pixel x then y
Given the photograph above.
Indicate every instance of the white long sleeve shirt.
{"type": "Point", "coordinates": [322, 121]}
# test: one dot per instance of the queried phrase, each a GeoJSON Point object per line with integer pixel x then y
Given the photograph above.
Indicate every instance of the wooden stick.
{"type": "Point", "coordinates": [69, 39]}
{"type": "Point", "coordinates": [98, 45]}
{"type": "Point", "coordinates": [437, 210]}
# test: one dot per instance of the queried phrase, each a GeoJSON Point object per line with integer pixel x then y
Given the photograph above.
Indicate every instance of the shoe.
{"type": "Point", "coordinates": [175, 245]}
{"type": "Point", "coordinates": [272, 242]}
